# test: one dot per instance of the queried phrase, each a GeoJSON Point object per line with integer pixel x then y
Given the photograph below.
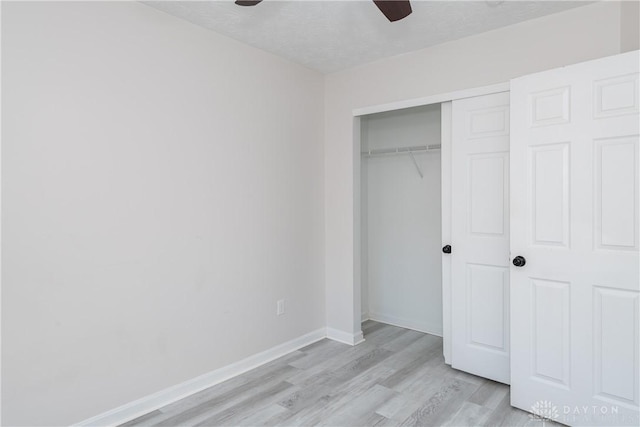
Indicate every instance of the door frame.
{"type": "Point", "coordinates": [446, 120]}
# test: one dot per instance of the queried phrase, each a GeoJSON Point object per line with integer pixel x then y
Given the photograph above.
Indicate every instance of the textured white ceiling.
{"type": "Point", "coordinates": [333, 35]}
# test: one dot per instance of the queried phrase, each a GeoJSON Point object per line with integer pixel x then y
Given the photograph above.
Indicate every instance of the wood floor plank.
{"type": "Point", "coordinates": [410, 370]}
{"type": "Point", "coordinates": [261, 416]}
{"type": "Point", "coordinates": [396, 377]}
{"type": "Point", "coordinates": [182, 415]}
{"type": "Point", "coordinates": [234, 414]}
{"type": "Point", "coordinates": [287, 359]}
{"type": "Point", "coordinates": [419, 347]}
{"type": "Point", "coordinates": [361, 409]}
{"type": "Point", "coordinates": [490, 394]}
{"type": "Point", "coordinates": [373, 420]}
{"type": "Point", "coordinates": [226, 390]}
{"type": "Point", "coordinates": [307, 376]}
{"type": "Point", "coordinates": [383, 335]}
{"type": "Point", "coordinates": [361, 364]}
{"type": "Point", "coordinates": [402, 414]}
{"type": "Point", "coordinates": [370, 326]}
{"type": "Point", "coordinates": [405, 339]}
{"type": "Point", "coordinates": [470, 378]}
{"type": "Point", "coordinates": [319, 354]}
{"type": "Point", "coordinates": [338, 398]}
{"type": "Point", "coordinates": [505, 415]}
{"type": "Point", "coordinates": [326, 342]}
{"type": "Point", "coordinates": [442, 404]}
{"type": "Point", "coordinates": [336, 378]}
{"type": "Point", "coordinates": [469, 414]}
{"type": "Point", "coordinates": [144, 420]}
{"type": "Point", "coordinates": [392, 406]}
{"type": "Point", "coordinates": [429, 376]}
{"type": "Point", "coordinates": [305, 397]}
{"type": "Point", "coordinates": [501, 413]}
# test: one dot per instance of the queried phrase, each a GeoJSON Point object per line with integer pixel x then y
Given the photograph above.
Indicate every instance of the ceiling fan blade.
{"type": "Point", "coordinates": [394, 10]}
{"type": "Point", "coordinates": [247, 2]}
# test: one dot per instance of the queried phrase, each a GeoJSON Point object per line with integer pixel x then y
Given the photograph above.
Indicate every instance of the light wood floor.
{"type": "Point", "coordinates": [397, 377]}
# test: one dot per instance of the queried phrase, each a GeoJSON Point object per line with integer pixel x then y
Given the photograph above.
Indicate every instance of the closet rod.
{"type": "Point", "coordinates": [402, 150]}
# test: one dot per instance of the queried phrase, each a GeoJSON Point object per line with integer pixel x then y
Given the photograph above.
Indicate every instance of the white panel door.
{"type": "Point", "coordinates": [574, 220]}
{"type": "Point", "coordinates": [480, 236]}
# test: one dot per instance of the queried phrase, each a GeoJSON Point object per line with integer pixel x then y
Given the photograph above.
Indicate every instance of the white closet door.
{"type": "Point", "coordinates": [480, 236]}
{"type": "Point", "coordinates": [574, 219]}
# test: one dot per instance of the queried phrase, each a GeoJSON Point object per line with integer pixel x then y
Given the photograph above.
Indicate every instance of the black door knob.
{"type": "Point", "coordinates": [519, 261]}
{"type": "Point", "coordinates": [446, 249]}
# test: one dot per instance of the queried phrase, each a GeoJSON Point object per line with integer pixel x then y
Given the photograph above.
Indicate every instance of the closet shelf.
{"type": "Point", "coordinates": [401, 150]}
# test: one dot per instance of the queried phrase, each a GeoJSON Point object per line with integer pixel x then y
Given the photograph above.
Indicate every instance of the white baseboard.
{"type": "Point", "coordinates": [169, 395]}
{"type": "Point", "coordinates": [405, 323]}
{"type": "Point", "coordinates": [345, 337]}
{"type": "Point", "coordinates": [364, 317]}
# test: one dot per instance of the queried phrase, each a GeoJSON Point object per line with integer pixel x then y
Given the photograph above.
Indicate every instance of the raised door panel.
{"type": "Point", "coordinates": [550, 107]}
{"type": "Point", "coordinates": [551, 332]}
{"type": "Point", "coordinates": [550, 194]}
{"type": "Point", "coordinates": [616, 345]}
{"type": "Point", "coordinates": [616, 96]}
{"type": "Point", "coordinates": [489, 122]}
{"type": "Point", "coordinates": [488, 177]}
{"type": "Point", "coordinates": [616, 193]}
{"type": "Point", "coordinates": [487, 294]}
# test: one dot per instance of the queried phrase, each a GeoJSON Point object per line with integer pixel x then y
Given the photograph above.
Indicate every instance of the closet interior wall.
{"type": "Point", "coordinates": [401, 219]}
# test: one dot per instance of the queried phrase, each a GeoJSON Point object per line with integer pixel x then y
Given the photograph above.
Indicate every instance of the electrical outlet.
{"type": "Point", "coordinates": [280, 307]}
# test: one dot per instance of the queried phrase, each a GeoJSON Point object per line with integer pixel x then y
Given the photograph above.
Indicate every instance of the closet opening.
{"type": "Point", "coordinates": [401, 218]}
